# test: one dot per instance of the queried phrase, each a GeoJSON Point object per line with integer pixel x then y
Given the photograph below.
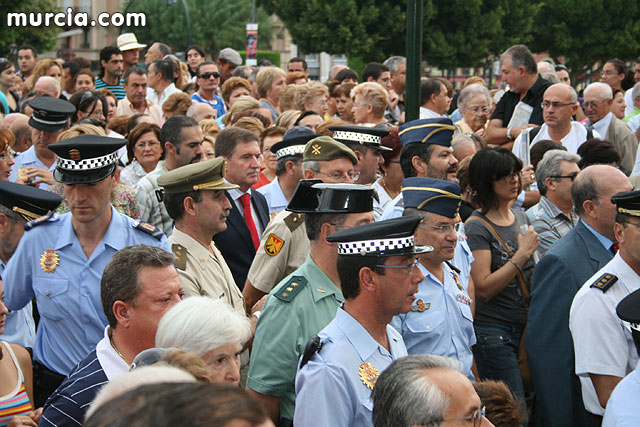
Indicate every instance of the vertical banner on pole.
{"type": "Point", "coordinates": [252, 44]}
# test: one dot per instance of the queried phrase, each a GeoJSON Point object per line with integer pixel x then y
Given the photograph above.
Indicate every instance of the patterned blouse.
{"type": "Point", "coordinates": [17, 402]}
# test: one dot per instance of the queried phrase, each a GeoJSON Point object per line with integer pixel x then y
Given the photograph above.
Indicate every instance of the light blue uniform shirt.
{"type": "Point", "coordinates": [622, 407]}
{"type": "Point", "coordinates": [329, 391]}
{"type": "Point", "coordinates": [19, 326]}
{"type": "Point", "coordinates": [68, 298]}
{"type": "Point", "coordinates": [29, 159]}
{"type": "Point", "coordinates": [462, 257]}
{"type": "Point", "coordinates": [440, 320]}
{"type": "Point", "coordinates": [275, 197]}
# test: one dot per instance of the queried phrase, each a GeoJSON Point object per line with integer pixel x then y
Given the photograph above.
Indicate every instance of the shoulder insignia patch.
{"type": "Point", "coordinates": [604, 282]}
{"type": "Point", "coordinates": [287, 292]}
{"type": "Point", "coordinates": [273, 245]}
{"type": "Point", "coordinates": [40, 220]}
{"type": "Point", "coordinates": [148, 228]}
{"type": "Point", "coordinates": [294, 220]}
{"type": "Point", "coordinates": [180, 252]}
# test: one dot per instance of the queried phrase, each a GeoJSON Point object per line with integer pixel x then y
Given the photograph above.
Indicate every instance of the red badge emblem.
{"type": "Point", "coordinates": [74, 154]}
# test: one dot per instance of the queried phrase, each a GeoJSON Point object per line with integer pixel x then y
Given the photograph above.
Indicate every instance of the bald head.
{"type": "Point", "coordinates": [545, 67]}
{"type": "Point", "coordinates": [9, 119]}
{"type": "Point", "coordinates": [47, 86]}
{"type": "Point", "coordinates": [201, 111]}
{"type": "Point", "coordinates": [22, 131]}
{"type": "Point", "coordinates": [599, 89]}
{"type": "Point", "coordinates": [564, 90]}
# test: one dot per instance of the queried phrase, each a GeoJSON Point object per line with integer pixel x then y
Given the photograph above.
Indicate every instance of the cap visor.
{"type": "Point", "coordinates": [82, 177]}
{"type": "Point", "coordinates": [380, 147]}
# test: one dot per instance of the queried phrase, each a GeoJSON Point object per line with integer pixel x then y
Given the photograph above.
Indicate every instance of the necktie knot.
{"type": "Point", "coordinates": [614, 248]}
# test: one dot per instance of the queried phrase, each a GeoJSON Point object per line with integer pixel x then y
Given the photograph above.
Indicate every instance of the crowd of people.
{"type": "Point", "coordinates": [200, 242]}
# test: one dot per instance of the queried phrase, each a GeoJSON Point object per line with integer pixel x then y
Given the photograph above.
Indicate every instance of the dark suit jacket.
{"type": "Point", "coordinates": [570, 262]}
{"type": "Point", "coordinates": [235, 242]}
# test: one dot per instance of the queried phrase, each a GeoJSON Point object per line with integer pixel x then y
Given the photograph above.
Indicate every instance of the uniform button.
{"type": "Point", "coordinates": [202, 259]}
{"type": "Point", "coordinates": [48, 293]}
{"type": "Point", "coordinates": [428, 327]}
{"type": "Point", "coordinates": [454, 334]}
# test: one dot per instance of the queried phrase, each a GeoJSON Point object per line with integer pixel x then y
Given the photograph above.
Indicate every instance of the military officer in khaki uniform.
{"type": "Point", "coordinates": [194, 198]}
{"type": "Point", "coordinates": [284, 245]}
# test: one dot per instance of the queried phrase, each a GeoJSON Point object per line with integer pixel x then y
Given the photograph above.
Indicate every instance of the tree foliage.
{"type": "Point", "coordinates": [215, 24]}
{"type": "Point", "coordinates": [584, 31]}
{"type": "Point", "coordinates": [42, 38]}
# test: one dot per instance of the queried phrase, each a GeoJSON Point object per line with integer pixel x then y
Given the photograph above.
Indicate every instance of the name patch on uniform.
{"type": "Point", "coordinates": [49, 261]}
{"type": "Point", "coordinates": [420, 306]}
{"type": "Point", "coordinates": [368, 374]}
{"type": "Point", "coordinates": [273, 245]}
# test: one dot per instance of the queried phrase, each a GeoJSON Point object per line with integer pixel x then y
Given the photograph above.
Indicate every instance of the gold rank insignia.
{"type": "Point", "coordinates": [368, 374]}
{"type": "Point", "coordinates": [49, 261]}
{"type": "Point", "coordinates": [315, 149]}
{"type": "Point", "coordinates": [273, 245]}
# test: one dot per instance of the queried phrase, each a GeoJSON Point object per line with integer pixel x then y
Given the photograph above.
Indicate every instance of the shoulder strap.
{"type": "Point", "coordinates": [520, 277]}
{"type": "Point", "coordinates": [589, 133]}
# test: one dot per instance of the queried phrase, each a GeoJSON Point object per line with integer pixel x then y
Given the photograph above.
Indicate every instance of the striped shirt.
{"type": "Point", "coordinates": [17, 402]}
{"type": "Point", "coordinates": [118, 90]}
{"type": "Point", "coordinates": [550, 223]}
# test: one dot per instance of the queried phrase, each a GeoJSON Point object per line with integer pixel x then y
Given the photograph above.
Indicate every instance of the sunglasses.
{"type": "Point", "coordinates": [208, 75]}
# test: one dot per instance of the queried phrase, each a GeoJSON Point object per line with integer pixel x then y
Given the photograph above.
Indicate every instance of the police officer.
{"type": "Point", "coordinates": [284, 245]}
{"type": "Point", "coordinates": [603, 344]}
{"type": "Point", "coordinates": [622, 407]}
{"type": "Point", "coordinates": [50, 117]}
{"type": "Point", "coordinates": [19, 204]}
{"type": "Point", "coordinates": [288, 168]}
{"type": "Point", "coordinates": [60, 259]}
{"type": "Point", "coordinates": [194, 198]}
{"type": "Point", "coordinates": [307, 300]}
{"type": "Point", "coordinates": [440, 320]}
{"type": "Point", "coordinates": [366, 143]}
{"type": "Point", "coordinates": [378, 274]}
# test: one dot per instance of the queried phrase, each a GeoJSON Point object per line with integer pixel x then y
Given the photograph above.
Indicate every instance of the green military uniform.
{"type": "Point", "coordinates": [283, 248]}
{"type": "Point", "coordinates": [291, 316]}
{"type": "Point", "coordinates": [204, 272]}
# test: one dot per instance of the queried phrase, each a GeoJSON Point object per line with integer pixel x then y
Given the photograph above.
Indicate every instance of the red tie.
{"type": "Point", "coordinates": [248, 218]}
{"type": "Point", "coordinates": [614, 248]}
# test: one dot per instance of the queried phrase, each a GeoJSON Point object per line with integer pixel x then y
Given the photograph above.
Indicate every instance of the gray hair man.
{"type": "Point", "coordinates": [434, 384]}
{"type": "Point", "coordinates": [138, 286]}
{"type": "Point", "coordinates": [519, 70]}
{"type": "Point", "coordinates": [598, 100]}
{"type": "Point", "coordinates": [553, 217]}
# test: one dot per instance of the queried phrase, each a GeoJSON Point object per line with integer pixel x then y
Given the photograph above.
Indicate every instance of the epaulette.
{"type": "Point", "coordinates": [314, 345]}
{"type": "Point", "coordinates": [148, 228]}
{"type": "Point", "coordinates": [605, 282]}
{"type": "Point", "coordinates": [294, 220]}
{"type": "Point", "coordinates": [180, 253]}
{"type": "Point", "coordinates": [291, 288]}
{"type": "Point", "coordinates": [40, 220]}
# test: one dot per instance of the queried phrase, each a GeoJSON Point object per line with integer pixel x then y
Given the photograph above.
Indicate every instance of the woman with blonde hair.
{"type": "Point", "coordinates": [6, 158]}
{"type": "Point", "coordinates": [369, 103]}
{"type": "Point", "coordinates": [242, 104]}
{"type": "Point", "coordinates": [269, 82]}
{"type": "Point", "coordinates": [312, 96]}
{"type": "Point", "coordinates": [288, 118]}
{"type": "Point", "coordinates": [44, 67]}
{"type": "Point", "coordinates": [287, 100]}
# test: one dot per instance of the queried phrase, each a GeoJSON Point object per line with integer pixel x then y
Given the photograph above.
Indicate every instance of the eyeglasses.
{"type": "Point", "coordinates": [555, 105]}
{"type": "Point", "coordinates": [6, 156]}
{"type": "Point", "coordinates": [572, 177]}
{"type": "Point", "coordinates": [143, 145]}
{"type": "Point", "coordinates": [353, 175]}
{"type": "Point", "coordinates": [608, 73]}
{"type": "Point", "coordinates": [588, 105]}
{"type": "Point", "coordinates": [476, 417]}
{"type": "Point", "coordinates": [442, 229]}
{"type": "Point", "coordinates": [208, 75]}
{"type": "Point", "coordinates": [409, 267]}
{"type": "Point", "coordinates": [510, 177]}
{"type": "Point", "coordinates": [480, 110]}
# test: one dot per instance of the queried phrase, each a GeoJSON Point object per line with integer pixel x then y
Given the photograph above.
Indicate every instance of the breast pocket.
{"type": "Point", "coordinates": [424, 322]}
{"type": "Point", "coordinates": [51, 297]}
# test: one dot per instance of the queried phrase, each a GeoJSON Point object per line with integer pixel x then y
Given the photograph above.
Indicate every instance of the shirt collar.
{"type": "Point", "coordinates": [602, 125]}
{"type": "Point", "coordinates": [358, 336]}
{"type": "Point", "coordinates": [236, 193]}
{"type": "Point", "coordinates": [112, 237]}
{"type": "Point", "coordinates": [605, 241]}
{"type": "Point", "coordinates": [112, 364]}
{"type": "Point", "coordinates": [327, 285]}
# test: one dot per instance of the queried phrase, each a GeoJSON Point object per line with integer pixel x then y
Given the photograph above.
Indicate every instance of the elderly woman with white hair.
{"type": "Point", "coordinates": [369, 104]}
{"type": "Point", "coordinates": [474, 102]}
{"type": "Point", "coordinates": [210, 329]}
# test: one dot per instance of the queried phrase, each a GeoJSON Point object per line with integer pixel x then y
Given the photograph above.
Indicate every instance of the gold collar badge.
{"type": "Point", "coordinates": [368, 374]}
{"type": "Point", "coordinates": [49, 261]}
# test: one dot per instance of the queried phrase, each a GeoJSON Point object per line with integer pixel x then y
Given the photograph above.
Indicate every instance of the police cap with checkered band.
{"type": "Point", "coordinates": [86, 158]}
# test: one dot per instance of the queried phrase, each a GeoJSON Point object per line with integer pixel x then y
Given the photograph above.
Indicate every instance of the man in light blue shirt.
{"type": "Point", "coordinates": [60, 259]}
{"type": "Point", "coordinates": [440, 321]}
{"type": "Point", "coordinates": [376, 266]}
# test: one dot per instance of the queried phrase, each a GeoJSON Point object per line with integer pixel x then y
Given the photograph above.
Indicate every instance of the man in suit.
{"type": "Point", "coordinates": [249, 210]}
{"type": "Point", "coordinates": [556, 279]}
{"type": "Point", "coordinates": [598, 99]}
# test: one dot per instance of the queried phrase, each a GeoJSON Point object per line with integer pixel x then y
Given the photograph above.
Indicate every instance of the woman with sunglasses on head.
{"type": "Point", "coordinates": [89, 104]}
{"type": "Point", "coordinates": [503, 244]}
{"type": "Point", "coordinates": [7, 80]}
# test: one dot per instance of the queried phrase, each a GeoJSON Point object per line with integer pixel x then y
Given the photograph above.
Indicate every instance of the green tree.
{"type": "Point", "coordinates": [215, 24]}
{"type": "Point", "coordinates": [42, 38]}
{"type": "Point", "coordinates": [585, 31]}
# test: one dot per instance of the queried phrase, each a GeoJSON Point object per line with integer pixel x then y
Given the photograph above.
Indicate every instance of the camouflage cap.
{"type": "Point", "coordinates": [325, 148]}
